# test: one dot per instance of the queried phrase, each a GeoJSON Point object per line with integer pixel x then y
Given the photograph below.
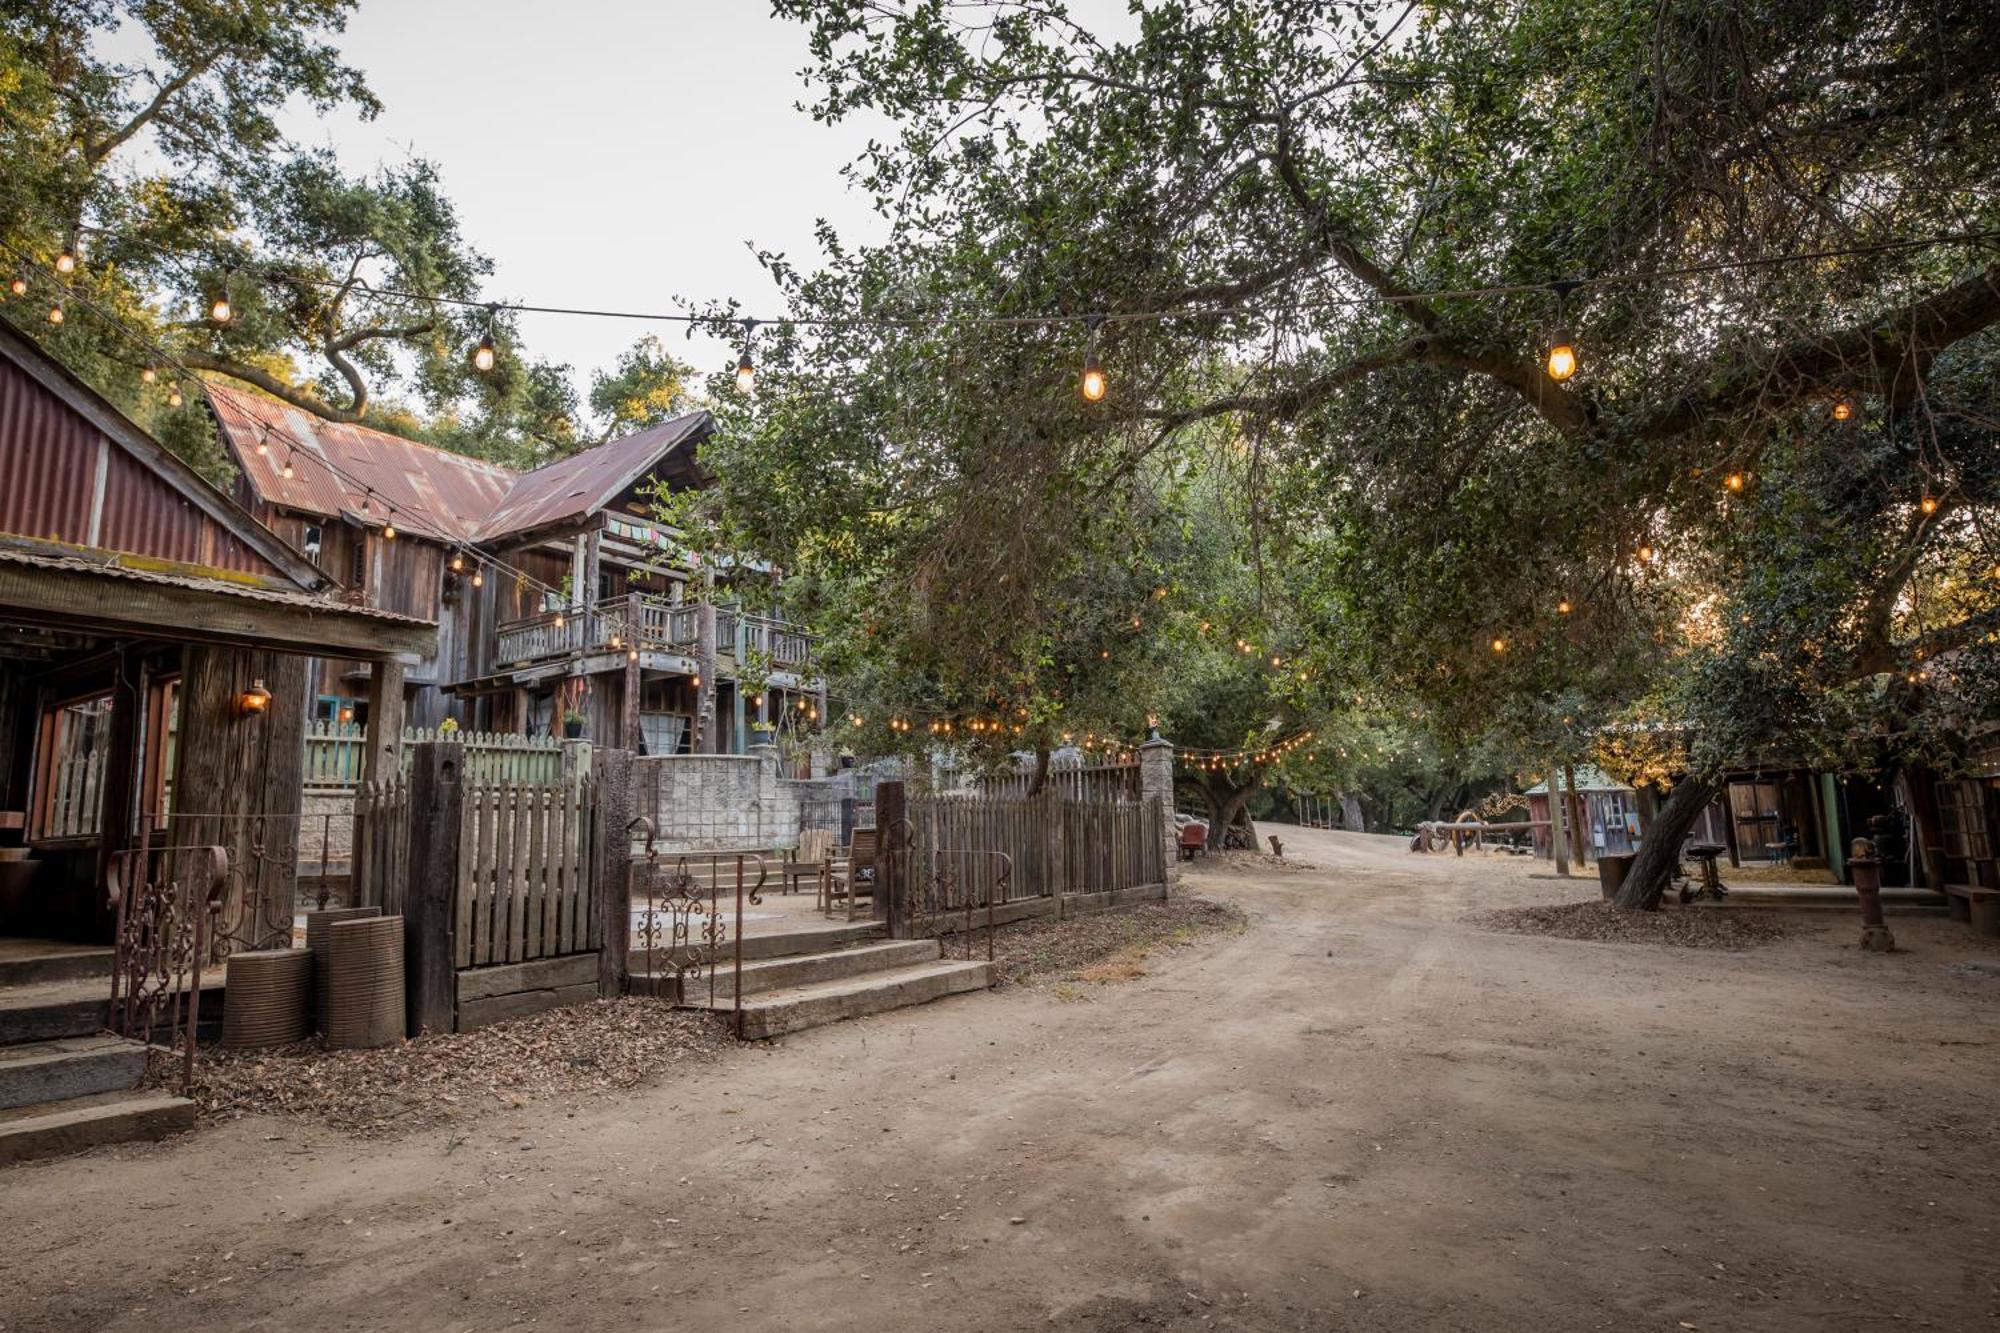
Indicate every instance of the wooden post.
{"type": "Point", "coordinates": [1573, 805]}
{"type": "Point", "coordinates": [892, 842]}
{"type": "Point", "coordinates": [704, 695]}
{"type": "Point", "coordinates": [437, 810]}
{"type": "Point", "coordinates": [611, 857]}
{"type": "Point", "coordinates": [1558, 814]}
{"type": "Point", "coordinates": [634, 686]}
{"type": "Point", "coordinates": [122, 769]}
{"type": "Point", "coordinates": [385, 720]}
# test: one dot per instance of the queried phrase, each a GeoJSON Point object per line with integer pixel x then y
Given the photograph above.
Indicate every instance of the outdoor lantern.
{"type": "Point", "coordinates": [255, 699]}
{"type": "Point", "coordinates": [1562, 356]}
{"type": "Point", "coordinates": [697, 681]}
{"type": "Point", "coordinates": [347, 715]}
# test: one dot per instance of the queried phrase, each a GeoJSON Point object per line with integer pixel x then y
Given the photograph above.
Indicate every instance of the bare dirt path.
{"type": "Point", "coordinates": [1361, 1112]}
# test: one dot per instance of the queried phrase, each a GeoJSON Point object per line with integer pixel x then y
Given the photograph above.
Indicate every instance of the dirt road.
{"type": "Point", "coordinates": [1361, 1112]}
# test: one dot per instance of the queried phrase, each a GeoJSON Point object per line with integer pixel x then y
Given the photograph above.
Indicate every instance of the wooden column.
{"type": "Point", "coordinates": [611, 858]}
{"type": "Point", "coordinates": [237, 783]}
{"type": "Point", "coordinates": [704, 697]}
{"type": "Point", "coordinates": [437, 808]}
{"type": "Point", "coordinates": [117, 813]}
{"type": "Point", "coordinates": [892, 868]}
{"type": "Point", "coordinates": [384, 755]}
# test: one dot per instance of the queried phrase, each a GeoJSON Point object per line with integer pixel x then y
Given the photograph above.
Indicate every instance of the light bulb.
{"type": "Point", "coordinates": [1646, 553]}
{"type": "Point", "coordinates": [1734, 481]}
{"type": "Point", "coordinates": [483, 356]}
{"type": "Point", "coordinates": [18, 286]}
{"type": "Point", "coordinates": [66, 261]}
{"type": "Point", "coordinates": [287, 471]}
{"type": "Point", "coordinates": [1499, 645]}
{"type": "Point", "coordinates": [220, 311]}
{"type": "Point", "coordinates": [458, 567]}
{"type": "Point", "coordinates": [1562, 607]}
{"type": "Point", "coordinates": [1093, 384]}
{"type": "Point", "coordinates": [1842, 409]}
{"type": "Point", "coordinates": [746, 374]}
{"type": "Point", "coordinates": [55, 314]}
{"type": "Point", "coordinates": [263, 448]}
{"type": "Point", "coordinates": [1562, 358]}
{"type": "Point", "coordinates": [1928, 504]}
{"type": "Point", "coordinates": [148, 375]}
{"type": "Point", "coordinates": [389, 532]}
{"type": "Point", "coordinates": [478, 578]}
{"type": "Point", "coordinates": [174, 398]}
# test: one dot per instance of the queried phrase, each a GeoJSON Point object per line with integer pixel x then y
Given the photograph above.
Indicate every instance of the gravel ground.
{"type": "Point", "coordinates": [1106, 946]}
{"type": "Point", "coordinates": [1690, 929]}
{"type": "Point", "coordinates": [393, 1090]}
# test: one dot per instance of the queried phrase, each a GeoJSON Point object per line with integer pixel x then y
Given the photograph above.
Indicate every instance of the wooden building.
{"type": "Point", "coordinates": [555, 591]}
{"type": "Point", "coordinates": [153, 636]}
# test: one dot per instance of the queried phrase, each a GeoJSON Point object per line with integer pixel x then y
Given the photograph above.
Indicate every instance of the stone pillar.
{"type": "Point", "coordinates": [1156, 783]}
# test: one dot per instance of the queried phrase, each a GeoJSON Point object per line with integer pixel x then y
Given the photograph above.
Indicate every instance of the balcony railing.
{"type": "Point", "coordinates": [608, 626]}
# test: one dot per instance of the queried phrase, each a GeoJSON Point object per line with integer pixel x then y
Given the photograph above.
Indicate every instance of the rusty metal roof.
{"type": "Point", "coordinates": [581, 484]}
{"type": "Point", "coordinates": [433, 492]}
{"type": "Point", "coordinates": [336, 465]}
{"type": "Point", "coordinates": [114, 568]}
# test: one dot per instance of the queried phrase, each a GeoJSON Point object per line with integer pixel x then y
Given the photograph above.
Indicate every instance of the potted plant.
{"type": "Point", "coordinates": [572, 723]}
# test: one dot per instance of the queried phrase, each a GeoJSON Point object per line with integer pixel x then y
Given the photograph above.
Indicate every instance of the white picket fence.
{"type": "Point", "coordinates": [336, 754]}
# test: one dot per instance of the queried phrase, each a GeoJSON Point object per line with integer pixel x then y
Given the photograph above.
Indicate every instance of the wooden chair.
{"type": "Point", "coordinates": [850, 872]}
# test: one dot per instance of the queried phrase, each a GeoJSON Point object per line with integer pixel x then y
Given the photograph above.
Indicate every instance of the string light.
{"type": "Point", "coordinates": [174, 398]}
{"type": "Point", "coordinates": [1092, 385]}
{"type": "Point", "coordinates": [389, 532]}
{"type": "Point", "coordinates": [1563, 607]}
{"type": "Point", "coordinates": [1561, 360]}
{"type": "Point", "coordinates": [478, 577]}
{"type": "Point", "coordinates": [56, 313]}
{"type": "Point", "coordinates": [458, 567]}
{"type": "Point", "coordinates": [746, 369]}
{"type": "Point", "coordinates": [148, 375]}
{"type": "Point", "coordinates": [1928, 504]}
{"type": "Point", "coordinates": [66, 260]}
{"type": "Point", "coordinates": [1734, 481]}
{"type": "Point", "coordinates": [219, 310]}
{"type": "Point", "coordinates": [484, 356]}
{"type": "Point", "coordinates": [18, 285]}
{"type": "Point", "coordinates": [1842, 409]}
{"type": "Point", "coordinates": [1499, 645]}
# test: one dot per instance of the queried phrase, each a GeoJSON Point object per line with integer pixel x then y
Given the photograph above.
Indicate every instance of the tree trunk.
{"type": "Point", "coordinates": [1651, 871]}
{"type": "Point", "coordinates": [1041, 778]}
{"type": "Point", "coordinates": [1558, 817]}
{"type": "Point", "coordinates": [1350, 814]}
{"type": "Point", "coordinates": [1573, 803]}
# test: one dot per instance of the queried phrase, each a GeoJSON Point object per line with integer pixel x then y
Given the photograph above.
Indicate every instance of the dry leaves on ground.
{"type": "Point", "coordinates": [607, 1044]}
{"type": "Point", "coordinates": [1694, 928]}
{"type": "Point", "coordinates": [1105, 946]}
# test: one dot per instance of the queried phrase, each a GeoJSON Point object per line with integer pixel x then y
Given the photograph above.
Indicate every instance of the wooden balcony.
{"type": "Point", "coordinates": [653, 626]}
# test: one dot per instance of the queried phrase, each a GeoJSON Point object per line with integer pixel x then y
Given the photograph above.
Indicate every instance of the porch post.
{"type": "Point", "coordinates": [121, 764]}
{"type": "Point", "coordinates": [611, 926]}
{"type": "Point", "coordinates": [437, 806]}
{"type": "Point", "coordinates": [1156, 783]}
{"type": "Point", "coordinates": [385, 720]}
{"type": "Point", "coordinates": [634, 685]}
{"type": "Point", "coordinates": [704, 695]}
{"type": "Point", "coordinates": [892, 833]}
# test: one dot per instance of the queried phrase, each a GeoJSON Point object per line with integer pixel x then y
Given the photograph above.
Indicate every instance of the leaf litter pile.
{"type": "Point", "coordinates": [1104, 946]}
{"type": "Point", "coordinates": [623, 1043]}
{"type": "Point", "coordinates": [1696, 928]}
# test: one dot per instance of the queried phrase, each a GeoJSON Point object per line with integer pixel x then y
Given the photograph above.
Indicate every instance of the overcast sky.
{"type": "Point", "coordinates": [609, 155]}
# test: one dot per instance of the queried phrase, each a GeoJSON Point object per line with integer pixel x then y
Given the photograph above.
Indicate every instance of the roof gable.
{"type": "Point", "coordinates": [575, 487]}
{"type": "Point", "coordinates": [76, 472]}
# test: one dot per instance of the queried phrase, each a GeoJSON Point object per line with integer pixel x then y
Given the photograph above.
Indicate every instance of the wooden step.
{"type": "Point", "coordinates": [49, 1071]}
{"type": "Point", "coordinates": [815, 938]}
{"type": "Point", "coordinates": [47, 1129]}
{"type": "Point", "coordinates": [810, 969]}
{"type": "Point", "coordinates": [794, 1008]}
{"type": "Point", "coordinates": [24, 962]}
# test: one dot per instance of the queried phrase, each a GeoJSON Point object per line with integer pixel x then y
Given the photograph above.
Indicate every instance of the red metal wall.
{"type": "Point", "coordinates": [48, 481]}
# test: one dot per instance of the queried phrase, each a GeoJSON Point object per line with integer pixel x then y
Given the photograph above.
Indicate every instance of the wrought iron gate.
{"type": "Point", "coordinates": [167, 900]}
{"type": "Point", "coordinates": [692, 924]}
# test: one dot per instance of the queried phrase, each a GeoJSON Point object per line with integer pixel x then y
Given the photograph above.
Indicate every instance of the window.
{"type": "Point", "coordinates": [69, 766]}
{"type": "Point", "coordinates": [314, 540]}
{"type": "Point", "coordinates": [162, 743]}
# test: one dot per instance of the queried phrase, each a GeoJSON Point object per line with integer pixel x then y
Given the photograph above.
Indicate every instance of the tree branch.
{"type": "Point", "coordinates": [96, 152]}
{"type": "Point", "coordinates": [269, 383]}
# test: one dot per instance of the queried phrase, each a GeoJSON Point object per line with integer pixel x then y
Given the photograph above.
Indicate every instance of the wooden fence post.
{"type": "Point", "coordinates": [437, 809]}
{"type": "Point", "coordinates": [892, 832]}
{"type": "Point", "coordinates": [611, 857]}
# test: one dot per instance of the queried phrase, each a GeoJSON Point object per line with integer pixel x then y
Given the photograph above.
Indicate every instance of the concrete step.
{"type": "Point", "coordinates": [29, 961]}
{"type": "Point", "coordinates": [51, 1010]}
{"type": "Point", "coordinates": [810, 969]}
{"type": "Point", "coordinates": [47, 1129]}
{"type": "Point", "coordinates": [794, 1008]}
{"type": "Point", "coordinates": [50, 1071]}
{"type": "Point", "coordinates": [814, 938]}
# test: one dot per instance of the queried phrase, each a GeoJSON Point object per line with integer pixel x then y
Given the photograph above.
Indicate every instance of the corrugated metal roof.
{"type": "Point", "coordinates": [432, 491]}
{"type": "Point", "coordinates": [1589, 777]}
{"type": "Point", "coordinates": [112, 568]}
{"type": "Point", "coordinates": [573, 487]}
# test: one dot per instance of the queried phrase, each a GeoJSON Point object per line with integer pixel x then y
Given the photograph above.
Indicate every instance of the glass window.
{"type": "Point", "coordinates": [72, 747]}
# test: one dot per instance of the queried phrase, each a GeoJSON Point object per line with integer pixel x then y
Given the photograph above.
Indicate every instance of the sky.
{"type": "Point", "coordinates": [611, 155]}
{"type": "Point", "coordinates": [605, 155]}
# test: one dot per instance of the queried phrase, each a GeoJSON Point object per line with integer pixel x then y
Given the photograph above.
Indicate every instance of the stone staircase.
{"type": "Point", "coordinates": [823, 974]}
{"type": "Point", "coordinates": [65, 1083]}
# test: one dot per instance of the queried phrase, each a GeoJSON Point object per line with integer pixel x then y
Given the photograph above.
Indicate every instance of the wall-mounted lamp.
{"type": "Point", "coordinates": [255, 699]}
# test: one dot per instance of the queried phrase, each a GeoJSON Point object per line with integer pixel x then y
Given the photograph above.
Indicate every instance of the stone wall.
{"type": "Point", "coordinates": [715, 802]}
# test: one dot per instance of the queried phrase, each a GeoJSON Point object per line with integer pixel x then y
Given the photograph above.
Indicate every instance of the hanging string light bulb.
{"type": "Point", "coordinates": [1734, 481]}
{"type": "Point", "coordinates": [458, 567]}
{"type": "Point", "coordinates": [1561, 360]}
{"type": "Point", "coordinates": [56, 313]}
{"type": "Point", "coordinates": [1563, 607]}
{"type": "Point", "coordinates": [18, 285]}
{"type": "Point", "coordinates": [1928, 504]}
{"type": "Point", "coordinates": [389, 529]}
{"type": "Point", "coordinates": [174, 398]}
{"type": "Point", "coordinates": [1093, 384]}
{"type": "Point", "coordinates": [220, 311]}
{"type": "Point", "coordinates": [746, 369]}
{"type": "Point", "coordinates": [148, 375]}
{"type": "Point", "coordinates": [1842, 409]}
{"type": "Point", "coordinates": [478, 577]}
{"type": "Point", "coordinates": [485, 356]}
{"type": "Point", "coordinates": [66, 258]}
